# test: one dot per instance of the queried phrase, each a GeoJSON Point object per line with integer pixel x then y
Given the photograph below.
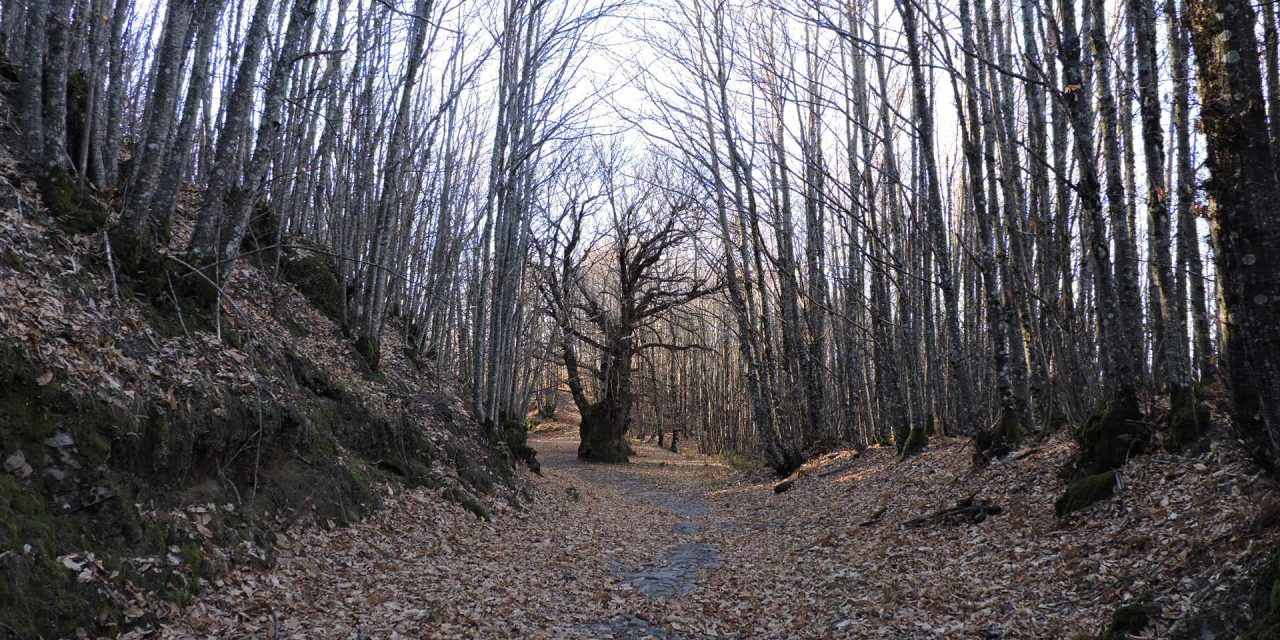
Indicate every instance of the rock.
{"type": "Point", "coordinates": [65, 446]}
{"type": "Point", "coordinates": [59, 441]}
{"type": "Point", "coordinates": [17, 465]}
{"type": "Point", "coordinates": [101, 494]}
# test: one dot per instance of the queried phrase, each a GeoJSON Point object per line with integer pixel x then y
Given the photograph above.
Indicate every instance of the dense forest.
{"type": "Point", "coordinates": [763, 230]}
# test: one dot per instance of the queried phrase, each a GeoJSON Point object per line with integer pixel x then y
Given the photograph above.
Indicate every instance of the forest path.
{"type": "Point", "coordinates": [601, 551]}
{"type": "Point", "coordinates": [681, 547]}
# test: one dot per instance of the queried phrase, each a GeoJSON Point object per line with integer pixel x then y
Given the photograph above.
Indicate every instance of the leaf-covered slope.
{"type": "Point", "coordinates": [148, 444]}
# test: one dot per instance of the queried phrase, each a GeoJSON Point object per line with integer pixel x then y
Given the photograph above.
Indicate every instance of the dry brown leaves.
{"type": "Point", "coordinates": [796, 565]}
{"type": "Point", "coordinates": [61, 305]}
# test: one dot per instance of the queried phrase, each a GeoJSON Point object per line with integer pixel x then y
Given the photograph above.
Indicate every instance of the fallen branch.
{"type": "Point", "coordinates": [967, 511]}
{"type": "Point", "coordinates": [875, 517]}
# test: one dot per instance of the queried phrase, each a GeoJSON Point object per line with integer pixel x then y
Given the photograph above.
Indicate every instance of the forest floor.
{"type": "Point", "coordinates": [682, 546]}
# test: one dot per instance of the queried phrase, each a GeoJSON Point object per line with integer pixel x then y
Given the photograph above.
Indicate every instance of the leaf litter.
{"type": "Point", "coordinates": [805, 564]}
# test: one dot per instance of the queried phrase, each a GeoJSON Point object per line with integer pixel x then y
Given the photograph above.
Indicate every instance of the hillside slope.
{"type": "Point", "coordinates": [148, 445]}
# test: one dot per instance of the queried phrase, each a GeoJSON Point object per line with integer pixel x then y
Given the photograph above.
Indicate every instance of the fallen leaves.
{"type": "Point", "coordinates": [788, 566]}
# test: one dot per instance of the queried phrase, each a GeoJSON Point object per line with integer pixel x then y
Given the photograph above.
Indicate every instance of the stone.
{"type": "Point", "coordinates": [17, 465]}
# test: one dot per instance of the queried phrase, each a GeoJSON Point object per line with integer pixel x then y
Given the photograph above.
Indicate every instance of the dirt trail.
{"type": "Point", "coordinates": [675, 485]}
{"type": "Point", "coordinates": [679, 547]}
{"type": "Point", "coordinates": [597, 553]}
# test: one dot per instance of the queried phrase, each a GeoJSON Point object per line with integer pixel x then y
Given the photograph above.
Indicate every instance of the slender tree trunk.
{"type": "Point", "coordinates": [1172, 317]}
{"type": "Point", "coordinates": [1126, 339]}
{"type": "Point", "coordinates": [1000, 440]}
{"type": "Point", "coordinates": [970, 422]}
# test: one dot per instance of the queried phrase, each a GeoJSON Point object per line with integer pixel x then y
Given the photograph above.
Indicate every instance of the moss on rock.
{"type": "Point", "coordinates": [1128, 620]}
{"type": "Point", "coordinates": [1110, 437]}
{"type": "Point", "coordinates": [69, 203]}
{"type": "Point", "coordinates": [316, 277]}
{"type": "Point", "coordinates": [1085, 492]}
{"type": "Point", "coordinates": [1188, 419]}
{"type": "Point", "coordinates": [915, 441]}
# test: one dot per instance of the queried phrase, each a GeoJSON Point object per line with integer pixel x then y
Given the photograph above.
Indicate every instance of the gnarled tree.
{"type": "Point", "coordinates": [608, 295]}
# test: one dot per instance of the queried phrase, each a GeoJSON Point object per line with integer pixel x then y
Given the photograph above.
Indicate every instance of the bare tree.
{"type": "Point", "coordinates": [610, 294]}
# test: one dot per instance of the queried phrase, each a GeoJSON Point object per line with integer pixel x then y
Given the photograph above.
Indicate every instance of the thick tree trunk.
{"type": "Point", "coordinates": [225, 177]}
{"type": "Point", "coordinates": [1245, 215]}
{"type": "Point", "coordinates": [138, 231]}
{"type": "Point", "coordinates": [31, 91]}
{"type": "Point", "coordinates": [153, 150]}
{"type": "Point", "coordinates": [56, 72]}
{"type": "Point", "coordinates": [603, 431]}
{"type": "Point", "coordinates": [180, 151]}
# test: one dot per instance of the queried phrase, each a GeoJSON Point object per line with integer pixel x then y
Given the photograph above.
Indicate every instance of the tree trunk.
{"type": "Point", "coordinates": [56, 71]}
{"type": "Point", "coordinates": [603, 430]}
{"type": "Point", "coordinates": [31, 100]}
{"type": "Point", "coordinates": [212, 222]}
{"type": "Point", "coordinates": [1125, 341]}
{"type": "Point", "coordinates": [1172, 319]}
{"type": "Point", "coordinates": [1244, 213]}
{"type": "Point", "coordinates": [1185, 186]}
{"type": "Point", "coordinates": [970, 422]}
{"type": "Point", "coordinates": [180, 152]}
{"type": "Point", "coordinates": [153, 148]}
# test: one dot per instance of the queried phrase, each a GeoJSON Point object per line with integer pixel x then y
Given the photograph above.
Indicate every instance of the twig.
{"type": "Point", "coordinates": [177, 305]}
{"type": "Point", "coordinates": [223, 477]}
{"type": "Point", "coordinates": [111, 266]}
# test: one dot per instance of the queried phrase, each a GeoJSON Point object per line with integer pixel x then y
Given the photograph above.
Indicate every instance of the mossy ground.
{"type": "Point", "coordinates": [68, 500]}
{"type": "Point", "coordinates": [69, 203]}
{"type": "Point", "coordinates": [315, 274]}
{"type": "Point", "coordinates": [740, 461]}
